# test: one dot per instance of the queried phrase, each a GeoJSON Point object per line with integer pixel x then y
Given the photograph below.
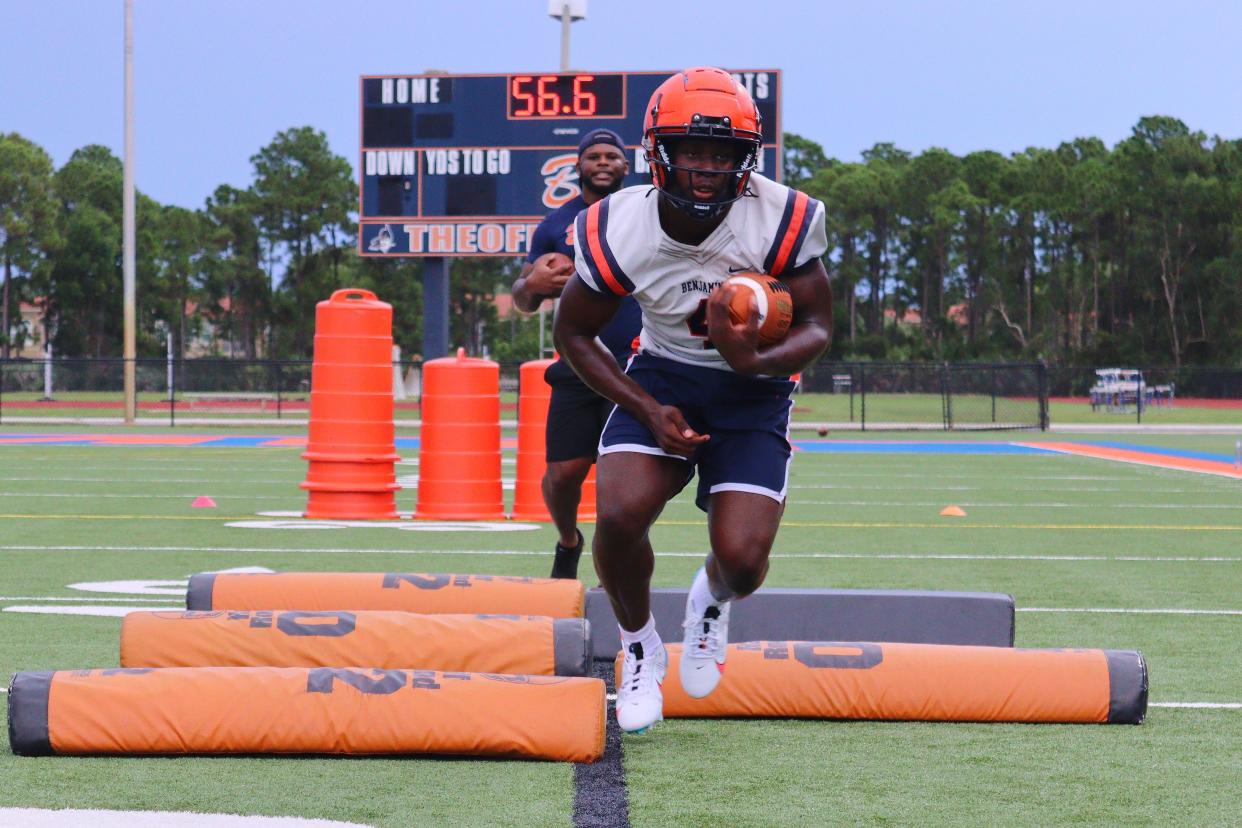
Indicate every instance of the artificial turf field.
{"type": "Point", "coordinates": [1058, 532]}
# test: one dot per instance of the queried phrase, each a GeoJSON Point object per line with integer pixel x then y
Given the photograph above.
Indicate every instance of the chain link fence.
{"type": "Point", "coordinates": [858, 395]}
{"type": "Point", "coordinates": [877, 396]}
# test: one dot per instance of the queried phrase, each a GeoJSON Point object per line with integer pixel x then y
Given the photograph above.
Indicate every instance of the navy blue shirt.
{"type": "Point", "coordinates": [555, 235]}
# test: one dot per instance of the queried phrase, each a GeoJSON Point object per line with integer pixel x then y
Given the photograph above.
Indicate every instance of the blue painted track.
{"type": "Point", "coordinates": [412, 443]}
{"type": "Point", "coordinates": [910, 447]}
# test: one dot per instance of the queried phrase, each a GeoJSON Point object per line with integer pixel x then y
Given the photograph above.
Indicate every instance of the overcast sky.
{"type": "Point", "coordinates": [217, 79]}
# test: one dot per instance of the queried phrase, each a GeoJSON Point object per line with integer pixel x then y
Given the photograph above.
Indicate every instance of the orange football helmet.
{"type": "Point", "coordinates": [702, 102]}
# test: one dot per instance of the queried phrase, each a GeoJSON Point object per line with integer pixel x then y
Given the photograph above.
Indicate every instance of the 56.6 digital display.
{"type": "Point", "coordinates": [567, 96]}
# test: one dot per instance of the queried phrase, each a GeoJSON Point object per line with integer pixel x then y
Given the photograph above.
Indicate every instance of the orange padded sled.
{"type": "Point", "coordinates": [407, 592]}
{"type": "Point", "coordinates": [392, 640]}
{"type": "Point", "coordinates": [919, 682]}
{"type": "Point", "coordinates": [181, 710]}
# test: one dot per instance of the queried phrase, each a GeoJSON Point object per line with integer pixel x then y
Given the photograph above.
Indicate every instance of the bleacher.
{"type": "Point", "coordinates": [1120, 390]}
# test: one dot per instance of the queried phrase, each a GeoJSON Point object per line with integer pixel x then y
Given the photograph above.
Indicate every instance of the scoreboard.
{"type": "Point", "coordinates": [468, 165]}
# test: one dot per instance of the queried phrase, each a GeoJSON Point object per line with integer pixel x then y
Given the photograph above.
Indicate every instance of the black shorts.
{"type": "Point", "coordinates": [576, 417]}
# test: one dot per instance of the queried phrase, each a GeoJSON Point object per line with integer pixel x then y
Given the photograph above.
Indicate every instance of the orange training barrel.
{"type": "Point", "coordinates": [407, 592]}
{"type": "Point", "coordinates": [335, 638]}
{"type": "Point", "coordinates": [350, 446]}
{"type": "Point", "coordinates": [459, 443]}
{"type": "Point", "coordinates": [181, 710]}
{"type": "Point", "coordinates": [534, 396]}
{"type": "Point", "coordinates": [918, 682]}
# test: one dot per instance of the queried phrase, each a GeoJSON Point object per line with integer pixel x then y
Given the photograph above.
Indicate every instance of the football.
{"type": "Point", "coordinates": [557, 261]}
{"type": "Point", "coordinates": [773, 299]}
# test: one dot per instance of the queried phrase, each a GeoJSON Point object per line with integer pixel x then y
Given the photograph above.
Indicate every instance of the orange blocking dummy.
{"type": "Point", "coordinates": [335, 638]}
{"type": "Point", "coordinates": [407, 592]}
{"type": "Point", "coordinates": [918, 682]}
{"type": "Point", "coordinates": [181, 710]}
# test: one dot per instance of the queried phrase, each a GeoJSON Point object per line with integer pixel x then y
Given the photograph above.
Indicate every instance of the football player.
{"type": "Point", "coordinates": [576, 414]}
{"type": "Point", "coordinates": [700, 394]}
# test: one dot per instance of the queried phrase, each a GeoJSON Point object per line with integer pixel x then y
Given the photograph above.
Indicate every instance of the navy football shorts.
{"type": "Point", "coordinates": [576, 417]}
{"type": "Point", "coordinates": [747, 418]}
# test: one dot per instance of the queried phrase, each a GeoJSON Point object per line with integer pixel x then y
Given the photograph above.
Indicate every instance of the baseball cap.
{"type": "Point", "coordinates": [601, 135]}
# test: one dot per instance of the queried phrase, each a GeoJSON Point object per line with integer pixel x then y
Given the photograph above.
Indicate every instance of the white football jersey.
{"type": "Point", "coordinates": [622, 249]}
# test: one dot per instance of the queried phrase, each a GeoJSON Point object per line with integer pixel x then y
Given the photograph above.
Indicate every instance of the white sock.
{"type": "Point", "coordinates": [645, 635]}
{"type": "Point", "coordinates": [701, 593]}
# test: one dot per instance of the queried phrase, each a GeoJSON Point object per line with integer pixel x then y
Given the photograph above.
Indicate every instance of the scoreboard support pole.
{"type": "Point", "coordinates": [435, 307]}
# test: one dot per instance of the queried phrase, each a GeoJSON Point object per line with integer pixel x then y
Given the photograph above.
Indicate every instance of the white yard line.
{"type": "Point", "coordinates": [933, 486]}
{"type": "Point", "coordinates": [76, 599]}
{"type": "Point", "coordinates": [612, 697]}
{"type": "Point", "coordinates": [97, 818]}
{"type": "Point", "coordinates": [147, 496]}
{"type": "Point", "coordinates": [838, 474]}
{"type": "Point", "coordinates": [793, 502]}
{"type": "Point", "coordinates": [224, 466]}
{"type": "Point", "coordinates": [112, 480]}
{"type": "Point", "coordinates": [1095, 610]}
{"type": "Point", "coordinates": [95, 610]}
{"type": "Point", "coordinates": [1134, 610]}
{"type": "Point", "coordinates": [967, 557]}
{"type": "Point", "coordinates": [1034, 504]}
{"type": "Point", "coordinates": [282, 550]}
{"type": "Point", "coordinates": [898, 556]}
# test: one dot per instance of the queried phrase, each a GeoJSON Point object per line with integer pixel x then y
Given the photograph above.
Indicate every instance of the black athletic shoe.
{"type": "Point", "coordinates": [566, 563]}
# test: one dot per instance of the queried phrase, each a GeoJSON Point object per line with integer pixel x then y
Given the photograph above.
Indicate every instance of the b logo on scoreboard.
{"type": "Point", "coordinates": [560, 178]}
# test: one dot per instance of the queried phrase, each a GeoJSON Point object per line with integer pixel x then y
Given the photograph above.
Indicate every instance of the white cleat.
{"type": "Point", "coordinates": [703, 650]}
{"type": "Point", "coordinates": [640, 702]}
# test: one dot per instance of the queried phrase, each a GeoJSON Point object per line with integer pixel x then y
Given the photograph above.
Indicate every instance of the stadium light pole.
{"type": "Point", "coordinates": [127, 233]}
{"type": "Point", "coordinates": [566, 11]}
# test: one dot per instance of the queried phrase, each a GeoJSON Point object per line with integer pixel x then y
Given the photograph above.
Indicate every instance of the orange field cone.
{"type": "Point", "coordinates": [203, 502]}
{"type": "Point", "coordinates": [952, 511]}
{"type": "Point", "coordinates": [459, 443]}
{"type": "Point", "coordinates": [351, 445]}
{"type": "Point", "coordinates": [534, 396]}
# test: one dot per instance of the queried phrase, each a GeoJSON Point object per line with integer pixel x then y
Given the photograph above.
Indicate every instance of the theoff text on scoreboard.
{"type": "Point", "coordinates": [467, 165]}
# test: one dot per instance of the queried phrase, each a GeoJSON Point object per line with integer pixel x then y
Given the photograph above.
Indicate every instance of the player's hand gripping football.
{"type": "Point", "coordinates": [672, 431]}
{"type": "Point", "coordinates": [737, 342]}
{"type": "Point", "coordinates": [549, 273]}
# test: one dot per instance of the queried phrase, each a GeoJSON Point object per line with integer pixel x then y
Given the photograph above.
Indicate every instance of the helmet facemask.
{"type": "Point", "coordinates": [735, 179]}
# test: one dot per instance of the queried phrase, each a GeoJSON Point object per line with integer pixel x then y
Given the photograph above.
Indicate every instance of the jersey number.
{"type": "Point", "coordinates": [697, 323]}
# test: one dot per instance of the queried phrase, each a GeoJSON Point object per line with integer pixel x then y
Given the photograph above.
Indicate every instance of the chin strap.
{"type": "Point", "coordinates": [700, 210]}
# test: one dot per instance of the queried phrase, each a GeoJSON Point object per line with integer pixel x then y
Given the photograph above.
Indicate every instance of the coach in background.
{"type": "Point", "coordinates": [576, 414]}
